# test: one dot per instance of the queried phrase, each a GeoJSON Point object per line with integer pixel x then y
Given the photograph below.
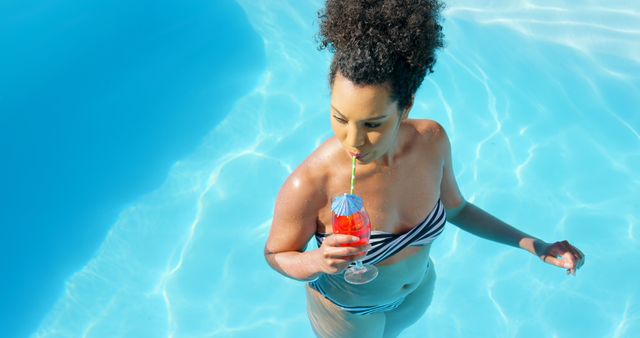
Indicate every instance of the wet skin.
{"type": "Point", "coordinates": [403, 168]}
{"type": "Point", "coordinates": [399, 176]}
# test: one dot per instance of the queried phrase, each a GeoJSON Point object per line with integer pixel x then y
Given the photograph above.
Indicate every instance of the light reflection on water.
{"type": "Point", "coordinates": [540, 101]}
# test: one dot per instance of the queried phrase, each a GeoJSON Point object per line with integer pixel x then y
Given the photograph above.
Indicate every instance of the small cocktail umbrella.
{"type": "Point", "coordinates": [349, 216]}
{"type": "Point", "coordinates": [346, 205]}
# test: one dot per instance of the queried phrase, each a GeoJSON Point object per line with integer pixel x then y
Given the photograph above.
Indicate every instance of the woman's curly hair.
{"type": "Point", "coordinates": [376, 41]}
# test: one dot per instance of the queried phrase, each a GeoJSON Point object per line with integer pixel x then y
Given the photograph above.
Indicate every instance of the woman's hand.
{"type": "Point", "coordinates": [572, 257]}
{"type": "Point", "coordinates": [334, 258]}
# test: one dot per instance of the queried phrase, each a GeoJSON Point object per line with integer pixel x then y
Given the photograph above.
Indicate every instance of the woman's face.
{"type": "Point", "coordinates": [365, 120]}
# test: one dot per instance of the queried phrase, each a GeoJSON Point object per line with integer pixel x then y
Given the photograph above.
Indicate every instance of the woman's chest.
{"type": "Point", "coordinates": [396, 198]}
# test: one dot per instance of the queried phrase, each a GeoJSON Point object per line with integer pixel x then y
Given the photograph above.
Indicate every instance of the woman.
{"type": "Point", "coordinates": [383, 50]}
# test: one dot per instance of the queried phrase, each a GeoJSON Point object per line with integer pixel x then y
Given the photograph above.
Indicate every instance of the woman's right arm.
{"type": "Point", "coordinates": [294, 223]}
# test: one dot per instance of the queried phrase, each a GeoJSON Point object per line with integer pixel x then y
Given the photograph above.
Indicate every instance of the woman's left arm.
{"type": "Point", "coordinates": [476, 221]}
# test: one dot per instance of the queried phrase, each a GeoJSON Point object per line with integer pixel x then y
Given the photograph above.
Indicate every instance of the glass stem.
{"type": "Point", "coordinates": [358, 265]}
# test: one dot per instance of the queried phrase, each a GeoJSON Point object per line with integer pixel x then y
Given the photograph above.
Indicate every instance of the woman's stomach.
{"type": "Point", "coordinates": [396, 278]}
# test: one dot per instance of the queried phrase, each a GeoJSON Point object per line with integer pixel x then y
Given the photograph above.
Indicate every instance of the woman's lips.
{"type": "Point", "coordinates": [358, 155]}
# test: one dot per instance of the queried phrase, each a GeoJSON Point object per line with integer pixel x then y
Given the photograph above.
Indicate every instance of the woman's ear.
{"type": "Point", "coordinates": [405, 113]}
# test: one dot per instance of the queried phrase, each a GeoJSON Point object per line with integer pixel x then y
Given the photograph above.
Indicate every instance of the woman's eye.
{"type": "Point", "coordinates": [372, 125]}
{"type": "Point", "coordinates": [369, 125]}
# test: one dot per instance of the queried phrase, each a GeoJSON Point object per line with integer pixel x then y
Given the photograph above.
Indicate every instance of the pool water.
{"type": "Point", "coordinates": [97, 101]}
{"type": "Point", "coordinates": [540, 100]}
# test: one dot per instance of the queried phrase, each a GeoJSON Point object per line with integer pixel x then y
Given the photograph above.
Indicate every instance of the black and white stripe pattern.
{"type": "Point", "coordinates": [385, 245]}
{"type": "Point", "coordinates": [358, 310]}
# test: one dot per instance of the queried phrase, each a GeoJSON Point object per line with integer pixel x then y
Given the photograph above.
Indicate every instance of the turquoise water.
{"type": "Point", "coordinates": [97, 101]}
{"type": "Point", "coordinates": [540, 100]}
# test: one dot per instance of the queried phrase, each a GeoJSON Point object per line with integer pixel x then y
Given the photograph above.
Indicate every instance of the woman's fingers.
{"type": "Point", "coordinates": [572, 258]}
{"type": "Point", "coordinates": [555, 261]}
{"type": "Point", "coordinates": [569, 262]}
{"type": "Point", "coordinates": [337, 247]}
{"type": "Point", "coordinates": [560, 263]}
{"type": "Point", "coordinates": [577, 255]}
{"type": "Point", "coordinates": [568, 259]}
{"type": "Point", "coordinates": [348, 251]}
{"type": "Point", "coordinates": [582, 258]}
{"type": "Point", "coordinates": [359, 252]}
{"type": "Point", "coordinates": [338, 239]}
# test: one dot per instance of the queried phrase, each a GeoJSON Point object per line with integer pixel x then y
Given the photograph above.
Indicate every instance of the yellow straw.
{"type": "Point", "coordinates": [353, 173]}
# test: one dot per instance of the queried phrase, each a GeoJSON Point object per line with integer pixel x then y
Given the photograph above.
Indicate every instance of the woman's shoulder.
{"type": "Point", "coordinates": [319, 164]}
{"type": "Point", "coordinates": [430, 132]}
{"type": "Point", "coordinates": [298, 204]}
{"type": "Point", "coordinates": [427, 127]}
{"type": "Point", "coordinates": [311, 176]}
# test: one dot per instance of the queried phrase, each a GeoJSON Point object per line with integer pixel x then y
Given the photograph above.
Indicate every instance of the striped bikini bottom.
{"type": "Point", "coordinates": [358, 310]}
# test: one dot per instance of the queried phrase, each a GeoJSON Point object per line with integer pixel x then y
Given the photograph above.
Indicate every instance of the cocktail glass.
{"type": "Point", "coordinates": [350, 218]}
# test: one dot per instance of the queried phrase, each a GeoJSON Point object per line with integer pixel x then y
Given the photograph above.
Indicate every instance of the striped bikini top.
{"type": "Point", "coordinates": [386, 244]}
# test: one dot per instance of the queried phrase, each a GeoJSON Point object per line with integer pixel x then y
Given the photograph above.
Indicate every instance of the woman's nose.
{"type": "Point", "coordinates": [355, 137]}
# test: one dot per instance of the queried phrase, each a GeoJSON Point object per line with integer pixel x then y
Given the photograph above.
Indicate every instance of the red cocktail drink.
{"type": "Point", "coordinates": [357, 224]}
{"type": "Point", "coordinates": [350, 218]}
